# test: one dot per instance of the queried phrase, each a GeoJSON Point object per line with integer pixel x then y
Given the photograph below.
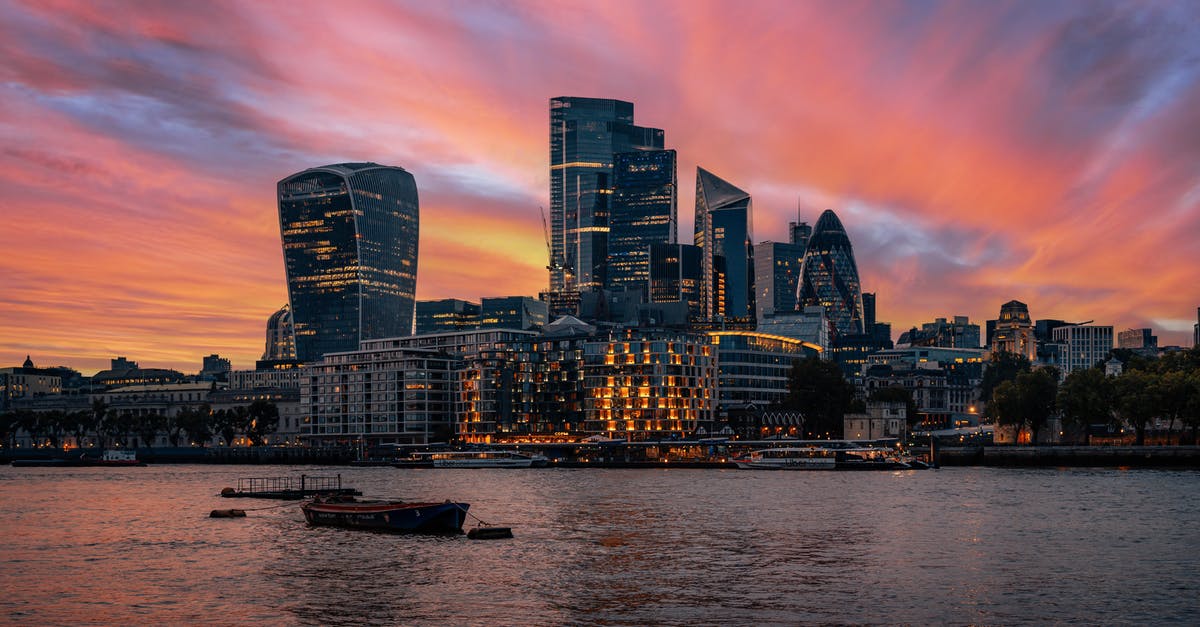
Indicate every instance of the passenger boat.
{"type": "Point", "coordinates": [108, 458]}
{"type": "Point", "coordinates": [789, 458]}
{"type": "Point", "coordinates": [118, 458]}
{"type": "Point", "coordinates": [870, 458]}
{"type": "Point", "coordinates": [386, 515]}
{"type": "Point", "coordinates": [471, 459]}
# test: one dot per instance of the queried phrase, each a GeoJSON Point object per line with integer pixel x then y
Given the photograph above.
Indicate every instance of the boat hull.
{"type": "Point", "coordinates": [790, 464]}
{"type": "Point", "coordinates": [396, 517]}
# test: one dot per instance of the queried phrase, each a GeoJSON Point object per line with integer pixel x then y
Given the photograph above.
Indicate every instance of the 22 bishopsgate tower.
{"type": "Point", "coordinates": [350, 248]}
{"type": "Point", "coordinates": [585, 134]}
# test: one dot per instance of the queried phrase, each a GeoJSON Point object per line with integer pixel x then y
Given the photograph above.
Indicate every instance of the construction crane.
{"type": "Point", "coordinates": [554, 264]}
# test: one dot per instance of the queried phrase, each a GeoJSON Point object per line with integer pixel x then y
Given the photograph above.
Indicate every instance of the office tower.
{"type": "Point", "coordinates": [281, 343]}
{"type": "Point", "coordinates": [830, 276]}
{"type": "Point", "coordinates": [675, 275]}
{"type": "Point", "coordinates": [1138, 339]}
{"type": "Point", "coordinates": [799, 232]}
{"type": "Point", "coordinates": [943, 333]}
{"type": "Point", "coordinates": [450, 314]}
{"type": "Point", "coordinates": [643, 213]}
{"type": "Point", "coordinates": [777, 269]}
{"type": "Point", "coordinates": [1085, 346]}
{"type": "Point", "coordinates": [1013, 331]}
{"type": "Point", "coordinates": [350, 249]}
{"type": "Point", "coordinates": [1196, 329]}
{"type": "Point", "coordinates": [585, 133]}
{"type": "Point", "coordinates": [868, 300]}
{"type": "Point", "coordinates": [513, 312]}
{"type": "Point", "coordinates": [724, 231]}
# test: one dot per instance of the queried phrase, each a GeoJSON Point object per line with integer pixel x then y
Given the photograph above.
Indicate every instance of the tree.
{"type": "Point", "coordinates": [819, 390]}
{"type": "Point", "coordinates": [1086, 398]}
{"type": "Point", "coordinates": [119, 425]}
{"type": "Point", "coordinates": [1191, 410]}
{"type": "Point", "coordinates": [197, 423]}
{"type": "Point", "coordinates": [148, 426]}
{"type": "Point", "coordinates": [1027, 401]}
{"type": "Point", "coordinates": [1138, 400]}
{"type": "Point", "coordinates": [1174, 394]}
{"type": "Point", "coordinates": [54, 425]}
{"type": "Point", "coordinates": [1002, 367]}
{"type": "Point", "coordinates": [99, 414]}
{"type": "Point", "coordinates": [229, 422]}
{"type": "Point", "coordinates": [897, 394]}
{"type": "Point", "coordinates": [79, 424]}
{"type": "Point", "coordinates": [8, 428]}
{"type": "Point", "coordinates": [263, 417]}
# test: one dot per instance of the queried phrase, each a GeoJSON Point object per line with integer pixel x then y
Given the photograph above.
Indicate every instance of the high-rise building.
{"type": "Point", "coordinates": [724, 232]}
{"type": "Point", "coordinates": [1013, 331]}
{"type": "Point", "coordinates": [1196, 329]}
{"type": "Point", "coordinates": [215, 367]}
{"type": "Point", "coordinates": [450, 314]}
{"type": "Point", "coordinates": [281, 343]}
{"type": "Point", "coordinates": [1143, 339]}
{"type": "Point", "coordinates": [799, 233]}
{"type": "Point", "coordinates": [1085, 346]}
{"type": "Point", "coordinates": [644, 201]}
{"type": "Point", "coordinates": [350, 248]}
{"type": "Point", "coordinates": [585, 133]}
{"type": "Point", "coordinates": [675, 275]}
{"type": "Point", "coordinates": [956, 333]}
{"type": "Point", "coordinates": [830, 276]}
{"type": "Point", "coordinates": [513, 312]}
{"type": "Point", "coordinates": [777, 269]}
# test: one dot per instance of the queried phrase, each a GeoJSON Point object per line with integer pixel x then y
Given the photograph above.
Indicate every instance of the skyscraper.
{"type": "Point", "coordinates": [799, 233]}
{"type": "Point", "coordinates": [776, 275]}
{"type": "Point", "coordinates": [830, 276]}
{"type": "Point", "coordinates": [350, 248]}
{"type": "Point", "coordinates": [585, 133]}
{"type": "Point", "coordinates": [643, 213]}
{"type": "Point", "coordinates": [281, 342]}
{"type": "Point", "coordinates": [724, 228]}
{"type": "Point", "coordinates": [675, 275]}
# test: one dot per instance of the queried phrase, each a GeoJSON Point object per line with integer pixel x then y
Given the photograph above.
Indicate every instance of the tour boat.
{"type": "Point", "coordinates": [789, 458]}
{"type": "Point", "coordinates": [111, 457]}
{"type": "Point", "coordinates": [386, 515]}
{"type": "Point", "coordinates": [471, 459]}
{"type": "Point", "coordinates": [870, 458]}
{"type": "Point", "coordinates": [108, 458]}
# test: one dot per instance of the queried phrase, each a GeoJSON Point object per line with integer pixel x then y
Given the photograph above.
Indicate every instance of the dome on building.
{"type": "Point", "coordinates": [28, 362]}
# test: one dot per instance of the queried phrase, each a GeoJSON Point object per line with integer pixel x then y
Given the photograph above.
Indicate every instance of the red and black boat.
{"type": "Point", "coordinates": [386, 515]}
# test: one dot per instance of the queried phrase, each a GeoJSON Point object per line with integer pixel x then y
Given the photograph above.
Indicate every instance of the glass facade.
{"type": "Point", "coordinates": [644, 211]}
{"type": "Point", "coordinates": [777, 276]}
{"type": "Point", "coordinates": [754, 367]}
{"type": "Point", "coordinates": [281, 340]}
{"type": "Point", "coordinates": [350, 234]}
{"type": "Point", "coordinates": [724, 230]}
{"type": "Point", "coordinates": [675, 275]}
{"type": "Point", "coordinates": [450, 314]}
{"type": "Point", "coordinates": [585, 133]}
{"type": "Point", "coordinates": [830, 276]}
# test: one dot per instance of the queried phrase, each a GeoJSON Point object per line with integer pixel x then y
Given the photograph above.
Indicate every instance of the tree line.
{"type": "Point", "coordinates": [107, 425]}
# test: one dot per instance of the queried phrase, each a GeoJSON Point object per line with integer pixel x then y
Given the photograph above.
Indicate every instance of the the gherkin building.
{"type": "Point", "coordinates": [829, 276]}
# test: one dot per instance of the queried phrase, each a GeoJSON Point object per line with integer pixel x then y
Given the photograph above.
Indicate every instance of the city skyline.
{"type": "Point", "coordinates": [1044, 153]}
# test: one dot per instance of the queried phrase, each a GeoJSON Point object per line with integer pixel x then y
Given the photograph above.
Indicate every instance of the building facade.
{"type": "Point", "coordinates": [281, 340]}
{"type": "Point", "coordinates": [754, 368]}
{"type": "Point", "coordinates": [1138, 339]}
{"type": "Point", "coordinates": [830, 276]}
{"type": "Point", "coordinates": [644, 213]}
{"type": "Point", "coordinates": [513, 312]}
{"type": "Point", "coordinates": [585, 133]}
{"type": "Point", "coordinates": [1085, 346]}
{"type": "Point", "coordinates": [777, 268]}
{"type": "Point", "coordinates": [350, 234]}
{"type": "Point", "coordinates": [1013, 331]}
{"type": "Point", "coordinates": [449, 314]}
{"type": "Point", "coordinates": [724, 232]}
{"type": "Point", "coordinates": [26, 381]}
{"type": "Point", "coordinates": [955, 333]}
{"type": "Point", "coordinates": [675, 276]}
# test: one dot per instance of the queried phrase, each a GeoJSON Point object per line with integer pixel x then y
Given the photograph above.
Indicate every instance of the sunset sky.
{"type": "Point", "coordinates": [976, 152]}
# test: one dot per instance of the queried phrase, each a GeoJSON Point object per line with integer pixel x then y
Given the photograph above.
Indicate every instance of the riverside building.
{"type": "Point", "coordinates": [1085, 346]}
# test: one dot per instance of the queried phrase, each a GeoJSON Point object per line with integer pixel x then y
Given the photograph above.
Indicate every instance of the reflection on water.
{"type": "Point", "coordinates": [610, 547]}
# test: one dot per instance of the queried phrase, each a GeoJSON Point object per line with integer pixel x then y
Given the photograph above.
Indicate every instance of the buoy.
{"type": "Point", "coordinates": [489, 533]}
{"type": "Point", "coordinates": [227, 513]}
{"type": "Point", "coordinates": [228, 492]}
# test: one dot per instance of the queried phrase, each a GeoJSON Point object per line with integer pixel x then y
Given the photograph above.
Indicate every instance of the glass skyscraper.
{"type": "Point", "coordinates": [675, 275]}
{"type": "Point", "coordinates": [643, 213]}
{"type": "Point", "coordinates": [585, 133]}
{"type": "Point", "coordinates": [777, 269]}
{"type": "Point", "coordinates": [350, 249]}
{"type": "Point", "coordinates": [830, 276]}
{"type": "Point", "coordinates": [724, 229]}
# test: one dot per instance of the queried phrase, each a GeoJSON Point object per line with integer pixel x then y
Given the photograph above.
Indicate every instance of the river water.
{"type": "Point", "coordinates": [988, 546]}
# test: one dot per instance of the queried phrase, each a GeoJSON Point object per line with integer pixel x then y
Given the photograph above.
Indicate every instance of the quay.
{"type": "Point", "coordinates": [1071, 456]}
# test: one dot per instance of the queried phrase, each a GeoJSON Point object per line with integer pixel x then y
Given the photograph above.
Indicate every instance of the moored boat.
{"type": "Point", "coordinates": [789, 458]}
{"type": "Point", "coordinates": [108, 458]}
{"type": "Point", "coordinates": [471, 459]}
{"type": "Point", "coordinates": [386, 515]}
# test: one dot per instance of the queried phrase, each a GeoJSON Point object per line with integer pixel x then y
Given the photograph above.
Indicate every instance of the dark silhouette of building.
{"type": "Point", "coordinates": [585, 134]}
{"type": "Point", "coordinates": [350, 234]}
{"type": "Point", "coordinates": [449, 314]}
{"type": "Point", "coordinates": [777, 268]}
{"type": "Point", "coordinates": [724, 232]}
{"type": "Point", "coordinates": [675, 275]}
{"type": "Point", "coordinates": [830, 276]}
{"type": "Point", "coordinates": [281, 339]}
{"type": "Point", "coordinates": [644, 212]}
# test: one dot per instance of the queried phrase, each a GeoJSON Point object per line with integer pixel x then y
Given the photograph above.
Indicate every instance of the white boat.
{"type": "Point", "coordinates": [472, 459]}
{"type": "Point", "coordinates": [789, 458]}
